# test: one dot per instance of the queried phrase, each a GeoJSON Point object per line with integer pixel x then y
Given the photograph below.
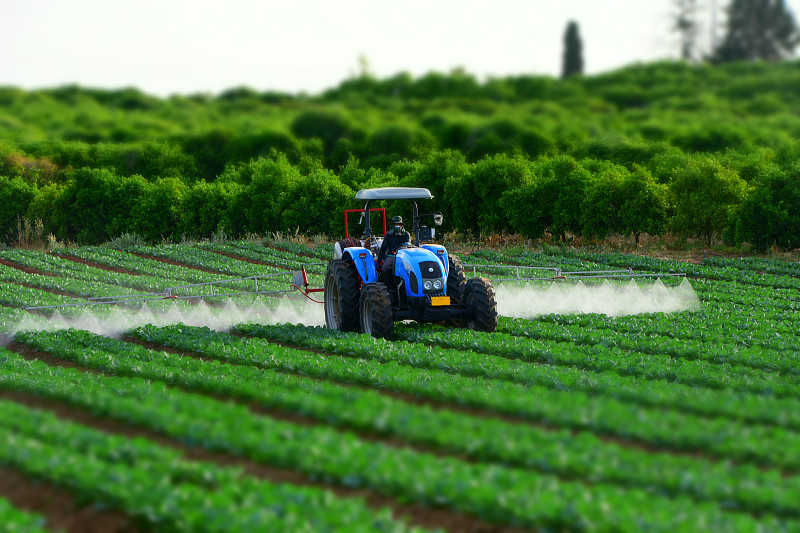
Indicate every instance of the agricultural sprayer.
{"type": "Point", "coordinates": [373, 281]}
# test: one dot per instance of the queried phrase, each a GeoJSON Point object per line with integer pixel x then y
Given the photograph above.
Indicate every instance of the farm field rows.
{"type": "Point", "coordinates": [242, 413]}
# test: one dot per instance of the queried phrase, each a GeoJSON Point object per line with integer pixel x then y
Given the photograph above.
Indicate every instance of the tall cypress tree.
{"type": "Point", "coordinates": [758, 30]}
{"type": "Point", "coordinates": [686, 24]}
{"type": "Point", "coordinates": [573, 51]}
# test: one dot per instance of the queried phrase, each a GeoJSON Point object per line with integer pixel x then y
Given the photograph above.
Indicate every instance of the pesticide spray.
{"type": "Point", "coordinates": [515, 299]}
{"type": "Point", "coordinates": [611, 298]}
{"type": "Point", "coordinates": [115, 321]}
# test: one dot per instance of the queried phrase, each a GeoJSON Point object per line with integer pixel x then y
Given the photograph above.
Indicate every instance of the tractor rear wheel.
{"type": "Point", "coordinates": [376, 311]}
{"type": "Point", "coordinates": [479, 295]}
{"type": "Point", "coordinates": [341, 295]}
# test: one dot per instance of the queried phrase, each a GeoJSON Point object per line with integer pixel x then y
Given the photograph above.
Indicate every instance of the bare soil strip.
{"type": "Point", "coordinates": [59, 507]}
{"type": "Point", "coordinates": [27, 270]}
{"type": "Point", "coordinates": [295, 253]}
{"type": "Point", "coordinates": [51, 291]}
{"type": "Point", "coordinates": [101, 266]}
{"type": "Point", "coordinates": [245, 259]}
{"type": "Point", "coordinates": [176, 263]}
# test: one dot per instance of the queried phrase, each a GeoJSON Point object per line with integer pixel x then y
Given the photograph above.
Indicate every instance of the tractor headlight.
{"type": "Point", "coordinates": [437, 284]}
{"type": "Point", "coordinates": [427, 285]}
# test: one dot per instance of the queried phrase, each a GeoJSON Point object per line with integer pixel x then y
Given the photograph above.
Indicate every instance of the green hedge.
{"type": "Point", "coordinates": [549, 196]}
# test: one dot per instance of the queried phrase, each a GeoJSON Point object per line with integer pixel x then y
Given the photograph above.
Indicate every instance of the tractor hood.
{"type": "Point", "coordinates": [416, 265]}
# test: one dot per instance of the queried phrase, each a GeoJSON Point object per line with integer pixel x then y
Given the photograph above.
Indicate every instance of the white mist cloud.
{"type": "Point", "coordinates": [514, 300]}
{"type": "Point", "coordinates": [610, 298]}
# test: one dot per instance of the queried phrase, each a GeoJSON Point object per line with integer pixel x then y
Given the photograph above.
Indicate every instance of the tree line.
{"type": "Point", "coordinates": [555, 198]}
{"type": "Point", "coordinates": [646, 149]}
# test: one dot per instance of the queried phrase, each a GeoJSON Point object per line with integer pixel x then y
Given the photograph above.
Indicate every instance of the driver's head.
{"type": "Point", "coordinates": [397, 224]}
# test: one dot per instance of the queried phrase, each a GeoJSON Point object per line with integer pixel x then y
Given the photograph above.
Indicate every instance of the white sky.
{"type": "Point", "coordinates": [189, 46]}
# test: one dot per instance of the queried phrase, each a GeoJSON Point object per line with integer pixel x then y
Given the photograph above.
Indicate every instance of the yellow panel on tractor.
{"type": "Point", "coordinates": [440, 300]}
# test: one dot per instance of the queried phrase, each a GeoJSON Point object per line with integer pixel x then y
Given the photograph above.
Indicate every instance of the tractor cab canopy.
{"type": "Point", "coordinates": [394, 193]}
{"type": "Point", "coordinates": [420, 233]}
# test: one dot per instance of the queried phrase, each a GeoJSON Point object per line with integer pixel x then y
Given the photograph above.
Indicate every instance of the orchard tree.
{"type": "Point", "coordinates": [705, 194]}
{"type": "Point", "coordinates": [16, 195]}
{"type": "Point", "coordinates": [644, 204]}
{"type": "Point", "coordinates": [758, 30]}
{"type": "Point", "coordinates": [573, 51]}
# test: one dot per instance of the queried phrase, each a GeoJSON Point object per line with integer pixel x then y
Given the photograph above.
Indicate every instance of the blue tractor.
{"type": "Point", "coordinates": [425, 284]}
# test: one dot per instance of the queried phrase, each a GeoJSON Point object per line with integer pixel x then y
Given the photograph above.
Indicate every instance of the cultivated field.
{"type": "Point", "coordinates": [220, 416]}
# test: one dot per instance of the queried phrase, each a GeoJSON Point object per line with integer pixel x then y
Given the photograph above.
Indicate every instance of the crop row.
{"type": "Point", "coordinates": [157, 485]}
{"type": "Point", "coordinates": [466, 362]}
{"type": "Point", "coordinates": [61, 267]}
{"type": "Point", "coordinates": [495, 493]}
{"type": "Point", "coordinates": [256, 252]}
{"type": "Point", "coordinates": [97, 276]}
{"type": "Point", "coordinates": [14, 520]}
{"type": "Point", "coordinates": [776, 302]}
{"type": "Point", "coordinates": [746, 369]}
{"type": "Point", "coordinates": [195, 257]}
{"type": "Point", "coordinates": [320, 251]}
{"type": "Point", "coordinates": [560, 452]}
{"type": "Point", "coordinates": [642, 263]}
{"type": "Point", "coordinates": [719, 323]}
{"type": "Point", "coordinates": [757, 264]}
{"type": "Point", "coordinates": [60, 283]}
{"type": "Point", "coordinates": [710, 288]}
{"type": "Point", "coordinates": [141, 265]}
{"type": "Point", "coordinates": [592, 261]}
{"type": "Point", "coordinates": [522, 336]}
{"type": "Point", "coordinates": [548, 404]}
{"type": "Point", "coordinates": [19, 296]}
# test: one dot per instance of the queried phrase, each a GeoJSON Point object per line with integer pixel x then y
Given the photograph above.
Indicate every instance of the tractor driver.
{"type": "Point", "coordinates": [395, 237]}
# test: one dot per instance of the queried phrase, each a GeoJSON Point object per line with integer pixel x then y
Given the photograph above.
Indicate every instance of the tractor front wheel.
{"type": "Point", "coordinates": [341, 295]}
{"type": "Point", "coordinates": [456, 279]}
{"type": "Point", "coordinates": [479, 295]}
{"type": "Point", "coordinates": [376, 311]}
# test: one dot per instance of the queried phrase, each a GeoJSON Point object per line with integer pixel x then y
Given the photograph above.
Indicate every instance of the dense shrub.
{"type": "Point", "coordinates": [92, 201]}
{"type": "Point", "coordinates": [476, 196]}
{"type": "Point", "coordinates": [705, 194]}
{"type": "Point", "coordinates": [601, 206]}
{"type": "Point", "coordinates": [156, 213]}
{"type": "Point", "coordinates": [204, 206]}
{"type": "Point", "coordinates": [16, 195]}
{"type": "Point", "coordinates": [313, 204]}
{"type": "Point", "coordinates": [327, 125]}
{"type": "Point", "coordinates": [770, 216]}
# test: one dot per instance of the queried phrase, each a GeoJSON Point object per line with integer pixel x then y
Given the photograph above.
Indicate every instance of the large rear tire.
{"type": "Point", "coordinates": [376, 311]}
{"type": "Point", "coordinates": [479, 295]}
{"type": "Point", "coordinates": [341, 295]}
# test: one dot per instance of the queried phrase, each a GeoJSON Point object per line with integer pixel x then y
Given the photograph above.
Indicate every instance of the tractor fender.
{"type": "Point", "coordinates": [364, 261]}
{"type": "Point", "coordinates": [441, 253]}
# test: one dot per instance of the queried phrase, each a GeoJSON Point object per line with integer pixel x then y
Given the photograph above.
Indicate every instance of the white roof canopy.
{"type": "Point", "coordinates": [394, 193]}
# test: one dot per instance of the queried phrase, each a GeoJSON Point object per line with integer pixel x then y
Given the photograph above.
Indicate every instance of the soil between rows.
{"type": "Point", "coordinates": [59, 506]}
{"type": "Point", "coordinates": [100, 266]}
{"type": "Point", "coordinates": [27, 270]}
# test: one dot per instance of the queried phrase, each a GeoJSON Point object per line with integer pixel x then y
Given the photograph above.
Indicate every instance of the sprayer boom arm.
{"type": "Point", "coordinates": [212, 290]}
